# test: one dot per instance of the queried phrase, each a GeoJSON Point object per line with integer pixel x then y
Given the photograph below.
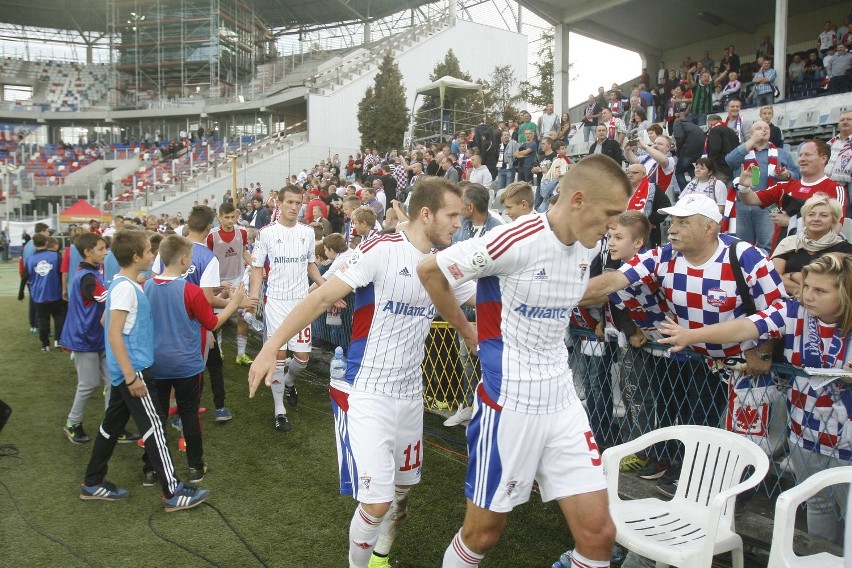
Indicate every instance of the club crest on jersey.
{"type": "Point", "coordinates": [365, 482]}
{"type": "Point", "coordinates": [584, 266]}
{"type": "Point", "coordinates": [510, 487]}
{"type": "Point", "coordinates": [43, 268]}
{"type": "Point", "coordinates": [355, 258]}
{"type": "Point", "coordinates": [717, 297]}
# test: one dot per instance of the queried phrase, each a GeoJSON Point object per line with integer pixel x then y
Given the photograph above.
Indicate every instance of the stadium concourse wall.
{"type": "Point", "coordinates": [332, 119]}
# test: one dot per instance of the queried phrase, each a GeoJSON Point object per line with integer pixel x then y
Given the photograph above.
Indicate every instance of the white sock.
{"type": "Point", "coordinates": [580, 561]}
{"type": "Point", "coordinates": [241, 345]}
{"type": "Point", "coordinates": [458, 555]}
{"type": "Point", "coordinates": [363, 532]}
{"type": "Point", "coordinates": [278, 391]}
{"type": "Point", "coordinates": [294, 369]}
{"type": "Point", "coordinates": [397, 513]}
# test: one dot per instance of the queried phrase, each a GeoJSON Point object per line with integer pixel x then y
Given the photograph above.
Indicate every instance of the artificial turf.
{"type": "Point", "coordinates": [277, 491]}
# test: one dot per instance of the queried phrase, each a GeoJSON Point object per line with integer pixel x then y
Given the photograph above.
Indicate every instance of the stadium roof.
{"type": "Point", "coordinates": [653, 26]}
{"type": "Point", "coordinates": [91, 15]}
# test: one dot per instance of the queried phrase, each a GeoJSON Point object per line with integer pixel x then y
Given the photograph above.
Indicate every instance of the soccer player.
{"type": "Point", "coordinates": [41, 270]}
{"type": "Point", "coordinates": [130, 353]}
{"type": "Point", "coordinates": [179, 346]}
{"type": "Point", "coordinates": [83, 333]}
{"type": "Point", "coordinates": [378, 405]}
{"type": "Point", "coordinates": [290, 249]}
{"type": "Point", "coordinates": [528, 423]}
{"type": "Point", "coordinates": [230, 245]}
{"type": "Point", "coordinates": [204, 272]}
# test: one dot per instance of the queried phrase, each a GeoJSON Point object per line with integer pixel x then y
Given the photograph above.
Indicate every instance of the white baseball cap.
{"type": "Point", "coordinates": [694, 204]}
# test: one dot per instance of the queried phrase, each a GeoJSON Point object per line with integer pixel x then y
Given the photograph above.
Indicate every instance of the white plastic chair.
{"type": "Point", "coordinates": [698, 522]}
{"type": "Point", "coordinates": [781, 554]}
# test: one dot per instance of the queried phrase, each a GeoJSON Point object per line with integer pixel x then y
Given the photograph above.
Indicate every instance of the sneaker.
{"type": "Point", "coordinates": [379, 562]}
{"type": "Point", "coordinates": [462, 415]}
{"type": "Point", "coordinates": [76, 434]}
{"type": "Point", "coordinates": [177, 424]}
{"type": "Point", "coordinates": [128, 437]}
{"type": "Point", "coordinates": [33, 330]}
{"type": "Point", "coordinates": [292, 395]}
{"type": "Point", "coordinates": [105, 491]}
{"type": "Point", "coordinates": [654, 469]}
{"type": "Point", "coordinates": [667, 488]}
{"type": "Point", "coordinates": [181, 444]}
{"type": "Point", "coordinates": [196, 474]}
{"type": "Point", "coordinates": [149, 478]}
{"type": "Point", "coordinates": [282, 423]}
{"type": "Point", "coordinates": [45, 349]}
{"type": "Point", "coordinates": [185, 497]}
{"type": "Point", "coordinates": [56, 344]}
{"type": "Point", "coordinates": [632, 463]}
{"type": "Point", "coordinates": [244, 359]}
{"type": "Point", "coordinates": [223, 414]}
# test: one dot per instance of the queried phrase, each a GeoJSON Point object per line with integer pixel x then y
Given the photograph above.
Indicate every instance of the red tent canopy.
{"type": "Point", "coordinates": [83, 212]}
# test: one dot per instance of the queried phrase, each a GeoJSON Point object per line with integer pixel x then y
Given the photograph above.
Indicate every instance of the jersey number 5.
{"type": "Point", "coordinates": [593, 447]}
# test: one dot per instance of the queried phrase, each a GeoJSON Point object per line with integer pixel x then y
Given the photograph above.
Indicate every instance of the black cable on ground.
{"type": "Point", "coordinates": [192, 551]}
{"type": "Point", "coordinates": [179, 545]}
{"type": "Point", "coordinates": [10, 451]}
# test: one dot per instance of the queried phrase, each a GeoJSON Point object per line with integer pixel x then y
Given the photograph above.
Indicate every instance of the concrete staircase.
{"type": "Point", "coordinates": [339, 72]}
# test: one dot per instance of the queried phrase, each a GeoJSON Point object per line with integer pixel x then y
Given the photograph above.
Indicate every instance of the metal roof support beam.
{"type": "Point", "coordinates": [561, 68]}
{"type": "Point", "coordinates": [573, 15]}
{"type": "Point", "coordinates": [780, 43]}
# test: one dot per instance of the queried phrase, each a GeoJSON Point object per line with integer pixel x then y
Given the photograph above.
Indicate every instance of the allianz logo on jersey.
{"type": "Point", "coordinates": [289, 259]}
{"type": "Point", "coordinates": [543, 312]}
{"type": "Point", "coordinates": [406, 309]}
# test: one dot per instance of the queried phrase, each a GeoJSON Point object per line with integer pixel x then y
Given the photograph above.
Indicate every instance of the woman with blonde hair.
{"type": "Point", "coordinates": [821, 218]}
{"type": "Point", "coordinates": [816, 331]}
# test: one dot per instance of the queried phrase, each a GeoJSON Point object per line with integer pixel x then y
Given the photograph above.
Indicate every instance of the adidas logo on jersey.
{"type": "Point", "coordinates": [230, 252]}
{"type": "Point", "coordinates": [540, 275]}
{"type": "Point", "coordinates": [404, 271]}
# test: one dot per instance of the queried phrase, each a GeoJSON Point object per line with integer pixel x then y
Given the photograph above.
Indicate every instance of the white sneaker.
{"type": "Point", "coordinates": [462, 416]}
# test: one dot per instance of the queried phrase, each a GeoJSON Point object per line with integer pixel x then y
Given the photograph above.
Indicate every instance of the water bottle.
{"type": "Point", "coordinates": [337, 368]}
{"type": "Point", "coordinates": [253, 322]}
{"type": "Point", "coordinates": [563, 562]}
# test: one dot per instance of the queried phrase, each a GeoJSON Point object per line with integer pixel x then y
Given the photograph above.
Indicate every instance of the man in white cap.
{"type": "Point", "coordinates": [698, 282]}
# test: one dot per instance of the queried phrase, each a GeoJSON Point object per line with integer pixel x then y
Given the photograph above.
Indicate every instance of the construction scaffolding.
{"type": "Point", "coordinates": [185, 48]}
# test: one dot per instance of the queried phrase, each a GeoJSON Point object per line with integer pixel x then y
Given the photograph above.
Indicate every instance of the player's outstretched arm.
{"type": "Point", "coordinates": [604, 284]}
{"type": "Point", "coordinates": [302, 315]}
{"type": "Point", "coordinates": [445, 301]}
{"type": "Point", "coordinates": [734, 331]}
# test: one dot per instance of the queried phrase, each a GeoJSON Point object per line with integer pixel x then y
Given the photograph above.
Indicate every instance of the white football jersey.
{"type": "Point", "coordinates": [289, 250]}
{"type": "Point", "coordinates": [528, 284]}
{"type": "Point", "coordinates": [393, 314]}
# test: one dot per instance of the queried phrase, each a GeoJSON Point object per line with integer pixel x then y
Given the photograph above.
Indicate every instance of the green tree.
{"type": "Point", "coordinates": [461, 111]}
{"type": "Point", "coordinates": [540, 91]}
{"type": "Point", "coordinates": [500, 87]}
{"type": "Point", "coordinates": [383, 113]}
